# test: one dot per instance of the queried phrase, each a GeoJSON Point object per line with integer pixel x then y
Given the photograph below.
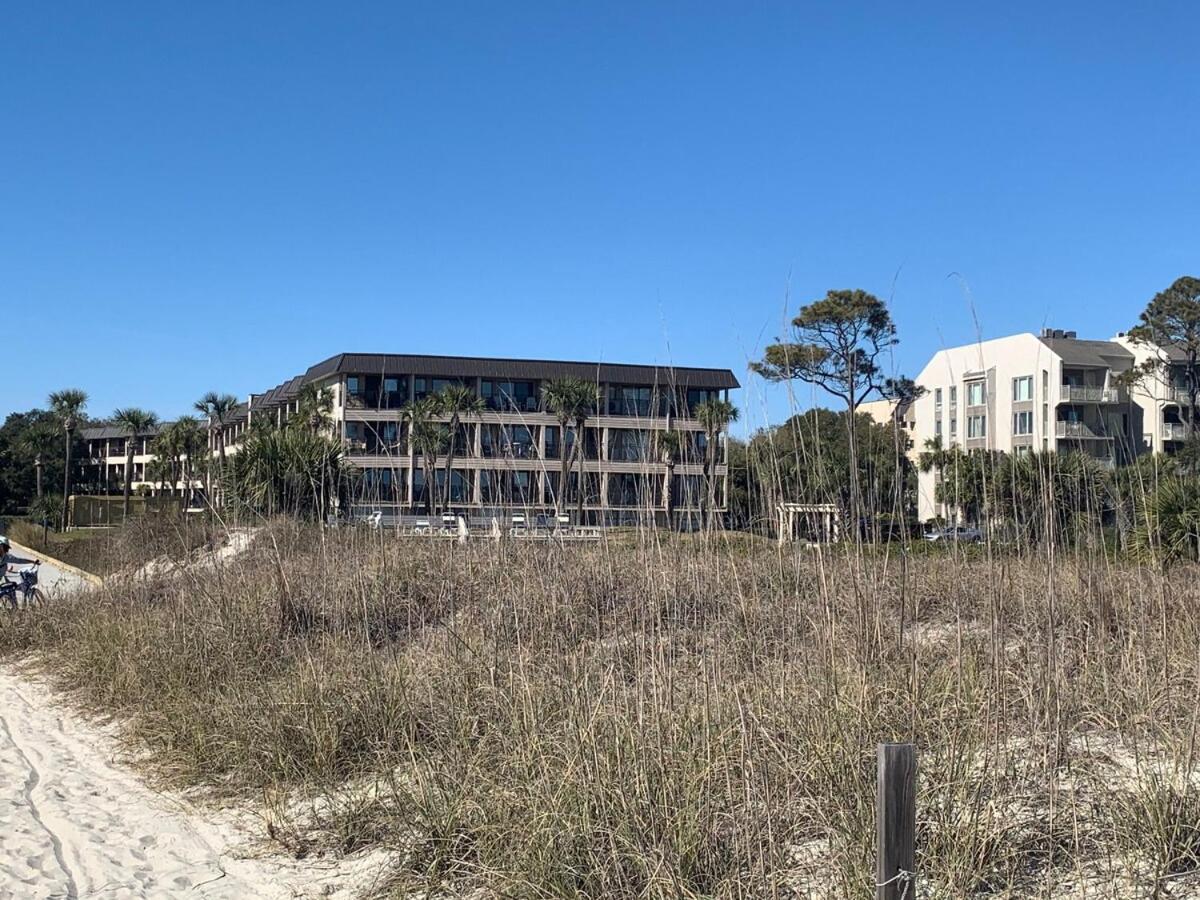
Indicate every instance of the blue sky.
{"type": "Point", "coordinates": [214, 196]}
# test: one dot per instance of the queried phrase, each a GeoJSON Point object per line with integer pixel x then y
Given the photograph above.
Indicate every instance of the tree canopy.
{"type": "Point", "coordinates": [837, 343]}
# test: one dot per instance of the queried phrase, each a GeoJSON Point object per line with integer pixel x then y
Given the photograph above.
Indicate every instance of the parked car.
{"type": "Point", "coordinates": [961, 533]}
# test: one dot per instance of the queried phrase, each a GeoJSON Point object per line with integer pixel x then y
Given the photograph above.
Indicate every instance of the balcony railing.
{"type": "Point", "coordinates": [1174, 431]}
{"type": "Point", "coordinates": [1178, 395]}
{"type": "Point", "coordinates": [1076, 430]}
{"type": "Point", "coordinates": [1075, 394]}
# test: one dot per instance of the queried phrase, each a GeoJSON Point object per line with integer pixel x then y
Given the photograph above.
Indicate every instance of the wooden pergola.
{"type": "Point", "coordinates": [814, 523]}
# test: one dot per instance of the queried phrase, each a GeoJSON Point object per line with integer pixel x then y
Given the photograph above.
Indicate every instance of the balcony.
{"type": "Point", "coordinates": [1078, 430]}
{"type": "Point", "coordinates": [1080, 394]}
{"type": "Point", "coordinates": [1174, 431]}
{"type": "Point", "coordinates": [1178, 395]}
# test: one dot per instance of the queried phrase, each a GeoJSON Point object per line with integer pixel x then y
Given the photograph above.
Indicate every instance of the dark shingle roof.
{"type": "Point", "coordinates": [1075, 352]}
{"type": "Point", "coordinates": [279, 394]}
{"type": "Point", "coordinates": [534, 369]}
{"type": "Point", "coordinates": [104, 432]}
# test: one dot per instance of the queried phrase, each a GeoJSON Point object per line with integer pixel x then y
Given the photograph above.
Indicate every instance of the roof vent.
{"type": "Point", "coordinates": [1070, 335]}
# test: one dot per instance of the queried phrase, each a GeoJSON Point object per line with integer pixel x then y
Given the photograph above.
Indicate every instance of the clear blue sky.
{"type": "Point", "coordinates": [216, 195]}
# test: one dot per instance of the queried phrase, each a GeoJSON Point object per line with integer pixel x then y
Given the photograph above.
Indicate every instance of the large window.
{"type": "Point", "coordinates": [511, 441]}
{"type": "Point", "coordinates": [424, 385]}
{"type": "Point", "coordinates": [591, 442]}
{"type": "Point", "coordinates": [687, 491]}
{"type": "Point", "coordinates": [384, 485]}
{"type": "Point", "coordinates": [628, 444]}
{"type": "Point", "coordinates": [519, 396]}
{"type": "Point", "coordinates": [375, 437]}
{"type": "Point", "coordinates": [1023, 388]}
{"type": "Point", "coordinates": [629, 400]}
{"type": "Point", "coordinates": [976, 427]}
{"type": "Point", "coordinates": [376, 391]}
{"type": "Point", "coordinates": [629, 489]}
{"type": "Point", "coordinates": [508, 487]}
{"type": "Point", "coordinates": [1023, 422]}
{"type": "Point", "coordinates": [976, 396]}
{"type": "Point", "coordinates": [696, 396]}
{"type": "Point", "coordinates": [553, 446]}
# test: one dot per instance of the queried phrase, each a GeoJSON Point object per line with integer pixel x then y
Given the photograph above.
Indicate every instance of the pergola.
{"type": "Point", "coordinates": [815, 523]}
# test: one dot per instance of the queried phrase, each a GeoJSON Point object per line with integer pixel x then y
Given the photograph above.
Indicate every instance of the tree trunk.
{"type": "Point", "coordinates": [128, 478]}
{"type": "Point", "coordinates": [668, 500]}
{"type": "Point", "coordinates": [66, 504]}
{"type": "Point", "coordinates": [710, 481]}
{"type": "Point", "coordinates": [430, 467]}
{"type": "Point", "coordinates": [1193, 391]}
{"type": "Point", "coordinates": [579, 439]}
{"type": "Point", "coordinates": [852, 445]}
{"type": "Point", "coordinates": [564, 471]}
{"type": "Point", "coordinates": [450, 463]}
{"type": "Point", "coordinates": [37, 474]}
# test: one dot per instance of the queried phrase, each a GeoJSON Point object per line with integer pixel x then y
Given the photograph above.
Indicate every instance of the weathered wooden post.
{"type": "Point", "coordinates": [896, 822]}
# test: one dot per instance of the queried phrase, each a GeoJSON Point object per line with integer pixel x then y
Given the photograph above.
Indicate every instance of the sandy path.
{"type": "Point", "coordinates": [53, 581]}
{"type": "Point", "coordinates": [74, 824]}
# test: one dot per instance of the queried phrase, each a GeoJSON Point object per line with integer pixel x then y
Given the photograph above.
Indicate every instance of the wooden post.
{"type": "Point", "coordinates": [896, 822]}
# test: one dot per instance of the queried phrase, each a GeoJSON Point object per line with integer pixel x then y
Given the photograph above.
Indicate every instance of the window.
{"type": "Point", "coordinates": [423, 386]}
{"type": "Point", "coordinates": [975, 394]}
{"type": "Point", "coordinates": [953, 426]}
{"type": "Point", "coordinates": [521, 396]}
{"type": "Point", "coordinates": [551, 441]}
{"type": "Point", "coordinates": [976, 426]}
{"type": "Point", "coordinates": [628, 444]}
{"type": "Point", "coordinates": [937, 426]}
{"type": "Point", "coordinates": [696, 396]}
{"type": "Point", "coordinates": [1023, 388]}
{"type": "Point", "coordinates": [954, 395]}
{"type": "Point", "coordinates": [629, 400]}
{"type": "Point", "coordinates": [395, 391]}
{"type": "Point", "coordinates": [937, 397]}
{"type": "Point", "coordinates": [1023, 422]}
{"type": "Point", "coordinates": [1045, 382]}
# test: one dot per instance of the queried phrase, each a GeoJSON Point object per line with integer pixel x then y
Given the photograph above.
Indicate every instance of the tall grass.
{"type": "Point", "coordinates": [662, 717]}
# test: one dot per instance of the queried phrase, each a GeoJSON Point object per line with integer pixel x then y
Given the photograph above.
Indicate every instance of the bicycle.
{"type": "Point", "coordinates": [31, 595]}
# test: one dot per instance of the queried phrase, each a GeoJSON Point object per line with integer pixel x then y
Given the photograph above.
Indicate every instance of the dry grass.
{"type": "Point", "coordinates": [106, 551]}
{"type": "Point", "coordinates": [665, 718]}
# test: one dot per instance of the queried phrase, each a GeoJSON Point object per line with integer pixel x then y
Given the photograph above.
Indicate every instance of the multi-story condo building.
{"type": "Point", "coordinates": [1161, 393]}
{"type": "Point", "coordinates": [102, 470]}
{"type": "Point", "coordinates": [507, 457]}
{"type": "Point", "coordinates": [1024, 392]}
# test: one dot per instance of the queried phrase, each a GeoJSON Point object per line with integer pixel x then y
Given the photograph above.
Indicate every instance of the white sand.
{"type": "Point", "coordinates": [74, 823]}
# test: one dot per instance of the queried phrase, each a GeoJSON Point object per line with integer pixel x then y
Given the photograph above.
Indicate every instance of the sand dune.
{"type": "Point", "coordinates": [76, 824]}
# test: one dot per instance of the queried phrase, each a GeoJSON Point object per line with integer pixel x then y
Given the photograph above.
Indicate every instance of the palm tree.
{"type": "Point", "coordinates": [668, 443]}
{"type": "Point", "coordinates": [455, 401]}
{"type": "Point", "coordinates": [67, 406]}
{"type": "Point", "coordinates": [134, 422]}
{"type": "Point", "coordinates": [217, 408]}
{"type": "Point", "coordinates": [193, 453]}
{"type": "Point", "coordinates": [569, 400]}
{"type": "Point", "coordinates": [314, 408]}
{"type": "Point", "coordinates": [167, 457]}
{"type": "Point", "coordinates": [714, 417]}
{"type": "Point", "coordinates": [39, 440]}
{"type": "Point", "coordinates": [428, 436]}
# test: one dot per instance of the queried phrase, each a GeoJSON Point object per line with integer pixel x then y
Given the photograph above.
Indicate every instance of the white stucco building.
{"type": "Point", "coordinates": [1051, 391]}
{"type": "Point", "coordinates": [1161, 394]}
